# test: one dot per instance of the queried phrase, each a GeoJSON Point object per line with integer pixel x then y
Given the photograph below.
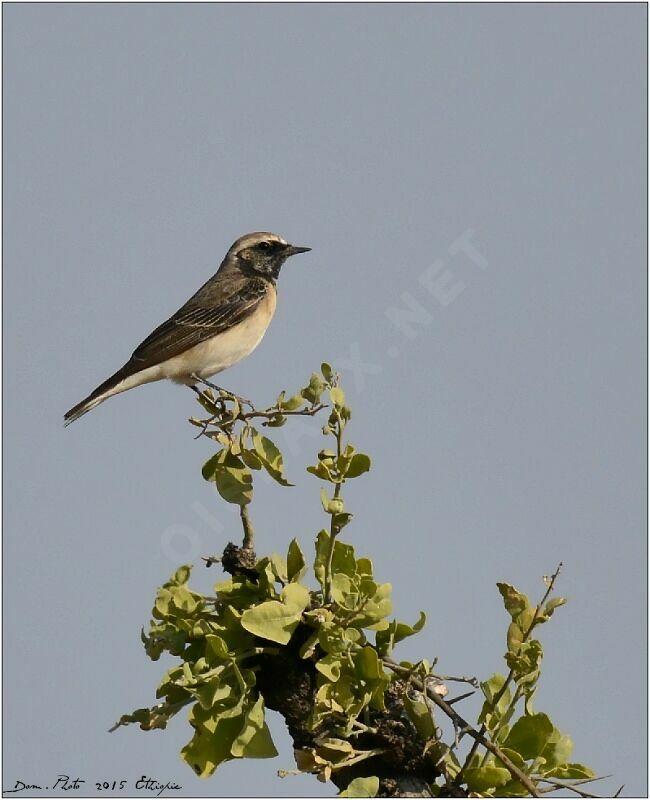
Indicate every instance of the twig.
{"type": "Point", "coordinates": [453, 715]}
{"type": "Point", "coordinates": [558, 783]}
{"type": "Point", "coordinates": [172, 709]}
{"type": "Point", "coordinates": [244, 416]}
{"type": "Point", "coordinates": [555, 785]}
{"type": "Point", "coordinates": [459, 679]}
{"type": "Point", "coordinates": [270, 413]}
{"type": "Point", "coordinates": [210, 560]}
{"type": "Point", "coordinates": [249, 533]}
{"type": "Point", "coordinates": [459, 698]}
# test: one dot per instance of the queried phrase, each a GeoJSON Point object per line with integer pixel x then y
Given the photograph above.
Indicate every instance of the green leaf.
{"type": "Point", "coordinates": [514, 601]}
{"type": "Point", "coordinates": [525, 664]}
{"type": "Point", "coordinates": [552, 604]}
{"type": "Point", "coordinates": [342, 592]}
{"type": "Point", "coordinates": [420, 715]}
{"type": "Point", "coordinates": [321, 471]}
{"type": "Point", "coordinates": [322, 550]}
{"type": "Point", "coordinates": [441, 753]}
{"type": "Point", "coordinates": [330, 639]}
{"type": "Point", "coordinates": [279, 568]}
{"type": "Point", "coordinates": [529, 735]}
{"type": "Point", "coordinates": [293, 403]}
{"type": "Point", "coordinates": [367, 665]}
{"type": "Point", "coordinates": [375, 609]}
{"type": "Point", "coordinates": [490, 714]}
{"type": "Point", "coordinates": [308, 648]}
{"type": "Point", "coordinates": [235, 485]}
{"type": "Point", "coordinates": [362, 787]}
{"type": "Point", "coordinates": [327, 371]}
{"type": "Point", "coordinates": [216, 646]}
{"type": "Point", "coordinates": [313, 391]}
{"type": "Point", "coordinates": [296, 565]}
{"type": "Point", "coordinates": [480, 779]}
{"type": "Point", "coordinates": [182, 574]}
{"type": "Point", "coordinates": [525, 618]}
{"type": "Point", "coordinates": [212, 464]}
{"type": "Point", "coordinates": [572, 772]}
{"type": "Point", "coordinates": [270, 456]}
{"type": "Point", "coordinates": [254, 739]}
{"type": "Point", "coordinates": [324, 499]}
{"type": "Point", "coordinates": [513, 789]}
{"type": "Point", "coordinates": [233, 479]}
{"type": "Point", "coordinates": [250, 459]}
{"type": "Point", "coordinates": [337, 396]}
{"type": "Point", "coordinates": [396, 632]}
{"type": "Point", "coordinates": [332, 749]}
{"type": "Point", "coordinates": [557, 751]}
{"type": "Point", "coordinates": [515, 637]}
{"type": "Point", "coordinates": [330, 667]}
{"type": "Point", "coordinates": [359, 464]}
{"type": "Point", "coordinates": [515, 757]}
{"type": "Point", "coordinates": [340, 520]}
{"type": "Point", "coordinates": [210, 745]}
{"type": "Point", "coordinates": [276, 620]}
{"type": "Point", "coordinates": [343, 559]}
{"type": "Point", "coordinates": [261, 745]}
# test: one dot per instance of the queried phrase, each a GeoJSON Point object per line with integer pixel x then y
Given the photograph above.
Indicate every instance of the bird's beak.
{"type": "Point", "coordinates": [292, 250]}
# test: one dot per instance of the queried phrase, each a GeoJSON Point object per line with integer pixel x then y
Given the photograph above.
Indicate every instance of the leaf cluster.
{"type": "Point", "coordinates": [219, 641]}
{"type": "Point", "coordinates": [334, 622]}
{"type": "Point", "coordinates": [529, 739]}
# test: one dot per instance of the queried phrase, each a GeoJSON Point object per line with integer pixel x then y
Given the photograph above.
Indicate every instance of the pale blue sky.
{"type": "Point", "coordinates": [507, 430]}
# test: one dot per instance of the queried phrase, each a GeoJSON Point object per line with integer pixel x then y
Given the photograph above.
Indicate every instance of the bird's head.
{"type": "Point", "coordinates": [262, 253]}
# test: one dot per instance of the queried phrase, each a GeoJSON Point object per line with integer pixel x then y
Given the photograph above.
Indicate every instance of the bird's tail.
{"type": "Point", "coordinates": [102, 392]}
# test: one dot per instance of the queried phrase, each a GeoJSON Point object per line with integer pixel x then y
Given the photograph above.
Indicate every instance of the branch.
{"type": "Point", "coordinates": [327, 588]}
{"type": "Point", "coordinates": [271, 413]}
{"type": "Point", "coordinates": [478, 737]}
{"type": "Point", "coordinates": [511, 673]}
{"type": "Point", "coordinates": [217, 419]}
{"type": "Point", "coordinates": [249, 533]}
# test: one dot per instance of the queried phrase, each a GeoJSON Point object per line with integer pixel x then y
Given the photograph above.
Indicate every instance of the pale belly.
{"type": "Point", "coordinates": [210, 357]}
{"type": "Point", "coordinates": [222, 351]}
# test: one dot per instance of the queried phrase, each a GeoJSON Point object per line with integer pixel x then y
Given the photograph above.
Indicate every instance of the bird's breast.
{"type": "Point", "coordinates": [226, 348]}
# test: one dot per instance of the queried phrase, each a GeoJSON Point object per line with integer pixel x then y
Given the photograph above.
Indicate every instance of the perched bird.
{"type": "Point", "coordinates": [217, 327]}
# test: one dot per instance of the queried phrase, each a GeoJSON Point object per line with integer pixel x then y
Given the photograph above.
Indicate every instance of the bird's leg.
{"type": "Point", "coordinates": [242, 400]}
{"type": "Point", "coordinates": [207, 422]}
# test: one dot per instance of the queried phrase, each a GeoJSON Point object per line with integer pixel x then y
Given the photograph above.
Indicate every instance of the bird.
{"type": "Point", "coordinates": [222, 323]}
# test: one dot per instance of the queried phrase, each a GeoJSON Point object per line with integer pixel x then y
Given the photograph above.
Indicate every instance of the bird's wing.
{"type": "Point", "coordinates": [194, 323]}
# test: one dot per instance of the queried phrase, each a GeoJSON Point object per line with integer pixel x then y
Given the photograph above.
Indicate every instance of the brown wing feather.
{"type": "Point", "coordinates": [193, 324]}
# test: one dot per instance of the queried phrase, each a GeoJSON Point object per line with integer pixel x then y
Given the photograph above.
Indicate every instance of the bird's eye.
{"type": "Point", "coordinates": [264, 245]}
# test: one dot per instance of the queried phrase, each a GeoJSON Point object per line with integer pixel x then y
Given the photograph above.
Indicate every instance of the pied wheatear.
{"type": "Point", "coordinates": [217, 327]}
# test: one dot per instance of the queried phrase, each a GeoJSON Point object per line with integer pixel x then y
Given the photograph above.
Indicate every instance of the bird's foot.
{"type": "Point", "coordinates": [240, 400]}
